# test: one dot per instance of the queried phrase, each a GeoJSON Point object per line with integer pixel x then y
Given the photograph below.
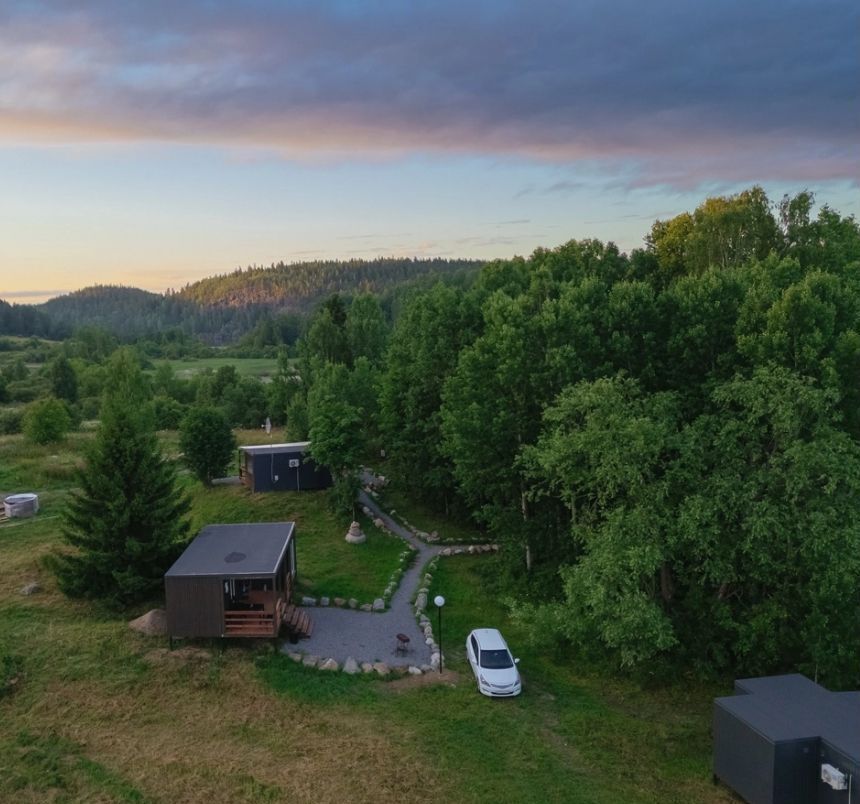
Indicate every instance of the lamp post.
{"type": "Point", "coordinates": [439, 601]}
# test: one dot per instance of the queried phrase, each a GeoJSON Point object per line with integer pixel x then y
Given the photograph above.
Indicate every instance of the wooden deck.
{"type": "Point", "coordinates": [265, 622]}
{"type": "Point", "coordinates": [268, 622]}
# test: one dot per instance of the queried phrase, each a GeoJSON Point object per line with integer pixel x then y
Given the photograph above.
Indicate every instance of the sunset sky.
{"type": "Point", "coordinates": [151, 144]}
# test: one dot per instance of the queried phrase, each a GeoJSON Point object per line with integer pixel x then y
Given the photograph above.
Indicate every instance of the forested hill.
{"type": "Point", "coordinates": [297, 286]}
{"type": "Point", "coordinates": [122, 310]}
{"type": "Point", "coordinates": [222, 309]}
{"type": "Point", "coordinates": [25, 320]}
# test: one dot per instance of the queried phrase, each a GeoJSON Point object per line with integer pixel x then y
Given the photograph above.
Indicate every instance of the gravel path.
{"type": "Point", "coordinates": [371, 637]}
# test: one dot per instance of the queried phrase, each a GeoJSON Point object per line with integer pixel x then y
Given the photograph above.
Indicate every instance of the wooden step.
{"type": "Point", "coordinates": [297, 623]}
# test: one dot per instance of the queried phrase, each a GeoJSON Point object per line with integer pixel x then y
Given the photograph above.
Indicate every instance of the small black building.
{"type": "Point", "coordinates": [232, 580]}
{"type": "Point", "coordinates": [787, 740]}
{"type": "Point", "coordinates": [281, 467]}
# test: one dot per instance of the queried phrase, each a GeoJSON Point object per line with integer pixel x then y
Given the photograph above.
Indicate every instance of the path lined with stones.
{"type": "Point", "coordinates": [341, 634]}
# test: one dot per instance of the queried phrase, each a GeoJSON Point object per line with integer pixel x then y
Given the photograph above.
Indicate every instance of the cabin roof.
{"type": "Point", "coordinates": [233, 551]}
{"type": "Point", "coordinates": [791, 707]}
{"type": "Point", "coordinates": [264, 449]}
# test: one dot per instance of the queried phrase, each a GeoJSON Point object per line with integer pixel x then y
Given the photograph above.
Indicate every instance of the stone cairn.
{"type": "Point", "coordinates": [355, 535]}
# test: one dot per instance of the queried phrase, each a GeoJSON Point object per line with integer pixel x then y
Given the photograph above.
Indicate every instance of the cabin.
{"type": "Point", "coordinates": [281, 467]}
{"type": "Point", "coordinates": [787, 740]}
{"type": "Point", "coordinates": [235, 581]}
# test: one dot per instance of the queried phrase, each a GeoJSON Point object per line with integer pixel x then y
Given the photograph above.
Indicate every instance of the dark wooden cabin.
{"type": "Point", "coordinates": [235, 581]}
{"type": "Point", "coordinates": [281, 467]}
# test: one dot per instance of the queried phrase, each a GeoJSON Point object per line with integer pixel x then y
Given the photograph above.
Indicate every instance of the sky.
{"type": "Point", "coordinates": [152, 144]}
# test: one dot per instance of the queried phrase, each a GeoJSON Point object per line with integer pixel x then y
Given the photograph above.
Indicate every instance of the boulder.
{"type": "Point", "coordinates": [414, 671]}
{"type": "Point", "coordinates": [379, 604]}
{"type": "Point", "coordinates": [366, 667]}
{"type": "Point", "coordinates": [31, 588]}
{"type": "Point", "coordinates": [309, 601]}
{"type": "Point", "coordinates": [339, 602]}
{"type": "Point", "coordinates": [382, 668]}
{"type": "Point", "coordinates": [329, 664]}
{"type": "Point", "coordinates": [350, 666]}
{"type": "Point", "coordinates": [379, 523]}
{"type": "Point", "coordinates": [352, 603]}
{"type": "Point", "coordinates": [366, 607]}
{"type": "Point", "coordinates": [153, 623]}
{"type": "Point", "coordinates": [310, 660]}
{"type": "Point", "coordinates": [421, 601]}
{"type": "Point", "coordinates": [324, 601]}
{"type": "Point", "coordinates": [291, 654]}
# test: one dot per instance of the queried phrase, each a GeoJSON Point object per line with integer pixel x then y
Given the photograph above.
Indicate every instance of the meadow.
{"type": "Point", "coordinates": [94, 712]}
{"type": "Point", "coordinates": [260, 367]}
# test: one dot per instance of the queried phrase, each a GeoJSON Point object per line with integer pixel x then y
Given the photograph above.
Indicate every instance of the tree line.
{"type": "Point", "coordinates": [665, 443]}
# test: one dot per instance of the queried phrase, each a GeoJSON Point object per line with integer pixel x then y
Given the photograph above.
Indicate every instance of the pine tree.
{"type": "Point", "coordinates": [126, 520]}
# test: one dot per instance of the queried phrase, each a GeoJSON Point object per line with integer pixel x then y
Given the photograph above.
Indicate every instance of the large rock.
{"type": "Point", "coordinates": [350, 666]}
{"type": "Point", "coordinates": [379, 604]}
{"type": "Point", "coordinates": [421, 601]}
{"type": "Point", "coordinates": [414, 671]}
{"type": "Point", "coordinates": [310, 660]}
{"type": "Point", "coordinates": [352, 603]}
{"type": "Point", "coordinates": [366, 607]}
{"type": "Point", "coordinates": [309, 601]}
{"type": "Point", "coordinates": [382, 668]}
{"type": "Point", "coordinates": [329, 664]}
{"type": "Point", "coordinates": [324, 601]}
{"type": "Point", "coordinates": [33, 588]}
{"type": "Point", "coordinates": [379, 523]}
{"type": "Point", "coordinates": [355, 535]}
{"type": "Point", "coordinates": [366, 667]}
{"type": "Point", "coordinates": [153, 623]}
{"type": "Point", "coordinates": [339, 602]}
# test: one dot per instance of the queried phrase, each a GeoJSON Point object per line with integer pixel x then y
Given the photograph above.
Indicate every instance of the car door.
{"type": "Point", "coordinates": [474, 653]}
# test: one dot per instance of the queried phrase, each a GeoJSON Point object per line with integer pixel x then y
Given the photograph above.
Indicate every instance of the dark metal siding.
{"type": "Point", "coordinates": [272, 472]}
{"type": "Point", "coordinates": [743, 758]}
{"type": "Point", "coordinates": [195, 606]}
{"type": "Point", "coordinates": [795, 771]}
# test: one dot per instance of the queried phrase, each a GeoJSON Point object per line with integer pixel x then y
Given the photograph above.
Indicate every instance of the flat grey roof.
{"type": "Point", "coordinates": [262, 449]}
{"type": "Point", "coordinates": [234, 550]}
{"type": "Point", "coordinates": [791, 707]}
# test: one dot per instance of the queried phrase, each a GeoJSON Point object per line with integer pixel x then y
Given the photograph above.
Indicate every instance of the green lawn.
{"type": "Point", "coordinates": [246, 366]}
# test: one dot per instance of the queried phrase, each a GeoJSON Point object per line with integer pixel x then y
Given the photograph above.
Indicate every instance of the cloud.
{"type": "Point", "coordinates": [681, 92]}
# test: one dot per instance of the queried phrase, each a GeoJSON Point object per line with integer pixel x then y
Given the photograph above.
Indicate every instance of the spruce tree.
{"type": "Point", "coordinates": [127, 517]}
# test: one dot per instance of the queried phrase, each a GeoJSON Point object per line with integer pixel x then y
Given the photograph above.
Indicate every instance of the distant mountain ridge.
{"type": "Point", "coordinates": [220, 309]}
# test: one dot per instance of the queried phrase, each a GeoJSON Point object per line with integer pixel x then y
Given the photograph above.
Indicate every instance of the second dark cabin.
{"type": "Point", "coordinates": [281, 467]}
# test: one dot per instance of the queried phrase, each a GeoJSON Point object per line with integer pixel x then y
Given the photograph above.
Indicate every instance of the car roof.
{"type": "Point", "coordinates": [489, 638]}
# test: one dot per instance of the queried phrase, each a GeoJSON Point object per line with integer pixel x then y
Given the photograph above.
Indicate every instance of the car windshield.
{"type": "Point", "coordinates": [496, 659]}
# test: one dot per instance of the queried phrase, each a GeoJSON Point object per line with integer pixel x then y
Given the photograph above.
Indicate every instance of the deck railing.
{"type": "Point", "coordinates": [261, 623]}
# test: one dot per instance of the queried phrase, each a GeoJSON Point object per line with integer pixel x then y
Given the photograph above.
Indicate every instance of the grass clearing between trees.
{"type": "Point", "coordinates": [245, 366]}
{"type": "Point", "coordinates": [98, 713]}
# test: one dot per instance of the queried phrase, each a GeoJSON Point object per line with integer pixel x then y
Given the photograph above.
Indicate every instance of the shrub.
{"type": "Point", "coordinates": [46, 421]}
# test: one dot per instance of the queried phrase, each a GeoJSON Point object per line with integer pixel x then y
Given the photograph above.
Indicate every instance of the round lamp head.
{"type": "Point", "coordinates": [439, 601]}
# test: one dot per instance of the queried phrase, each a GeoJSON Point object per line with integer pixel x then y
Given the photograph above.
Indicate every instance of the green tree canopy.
{"type": "Point", "coordinates": [127, 520]}
{"type": "Point", "coordinates": [207, 442]}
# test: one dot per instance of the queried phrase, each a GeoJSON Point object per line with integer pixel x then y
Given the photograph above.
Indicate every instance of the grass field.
{"type": "Point", "coordinates": [93, 712]}
{"type": "Point", "coordinates": [245, 366]}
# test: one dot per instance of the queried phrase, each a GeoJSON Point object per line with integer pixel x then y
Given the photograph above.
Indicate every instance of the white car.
{"type": "Point", "coordinates": [494, 667]}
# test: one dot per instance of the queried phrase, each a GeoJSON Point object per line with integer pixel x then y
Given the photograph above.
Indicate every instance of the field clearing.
{"type": "Point", "coordinates": [94, 712]}
{"type": "Point", "coordinates": [246, 366]}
